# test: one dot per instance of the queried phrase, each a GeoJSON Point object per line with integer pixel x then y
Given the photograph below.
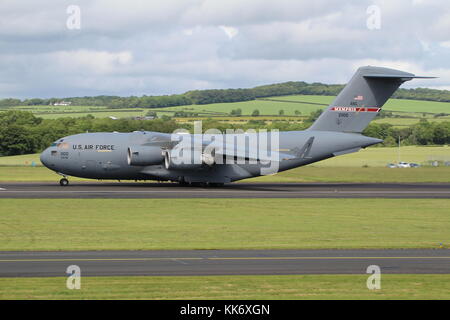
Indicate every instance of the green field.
{"type": "Point", "coordinates": [28, 174]}
{"type": "Point", "coordinates": [54, 112]}
{"type": "Point", "coordinates": [419, 106]}
{"type": "Point", "coordinates": [58, 109]}
{"type": "Point", "coordinates": [271, 106]}
{"type": "Point", "coordinates": [305, 104]}
{"type": "Point", "coordinates": [304, 98]}
{"type": "Point", "coordinates": [247, 107]}
{"type": "Point", "coordinates": [231, 287]}
{"type": "Point", "coordinates": [394, 121]}
{"type": "Point", "coordinates": [380, 156]}
{"type": "Point", "coordinates": [105, 224]}
{"type": "Point", "coordinates": [405, 122]}
{"type": "Point", "coordinates": [398, 105]}
{"type": "Point", "coordinates": [357, 175]}
{"type": "Point", "coordinates": [22, 160]}
{"type": "Point", "coordinates": [127, 113]}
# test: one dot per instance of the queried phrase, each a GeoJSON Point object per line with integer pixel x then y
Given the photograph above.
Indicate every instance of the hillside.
{"type": "Point", "coordinates": [405, 111]}
{"type": "Point", "coordinates": [202, 97]}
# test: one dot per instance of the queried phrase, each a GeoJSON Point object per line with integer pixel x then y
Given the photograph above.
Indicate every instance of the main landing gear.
{"type": "Point", "coordinates": [201, 184]}
{"type": "Point", "coordinates": [63, 182]}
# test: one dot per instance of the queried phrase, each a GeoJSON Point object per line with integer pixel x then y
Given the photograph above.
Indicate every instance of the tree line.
{"type": "Point", "coordinates": [199, 97]}
{"type": "Point", "coordinates": [422, 133]}
{"type": "Point", "coordinates": [22, 133]}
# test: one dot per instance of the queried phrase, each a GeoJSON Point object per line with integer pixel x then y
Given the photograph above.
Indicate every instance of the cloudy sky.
{"type": "Point", "coordinates": [65, 48]}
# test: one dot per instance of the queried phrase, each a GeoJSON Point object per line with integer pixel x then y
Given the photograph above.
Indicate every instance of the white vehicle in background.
{"type": "Point", "coordinates": [403, 165]}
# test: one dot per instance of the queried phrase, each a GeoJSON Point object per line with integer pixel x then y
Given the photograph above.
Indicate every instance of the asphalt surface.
{"type": "Point", "coordinates": [223, 262]}
{"type": "Point", "coordinates": [108, 190]}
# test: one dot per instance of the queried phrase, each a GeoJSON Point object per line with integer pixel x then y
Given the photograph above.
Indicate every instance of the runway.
{"type": "Point", "coordinates": [223, 262]}
{"type": "Point", "coordinates": [117, 190]}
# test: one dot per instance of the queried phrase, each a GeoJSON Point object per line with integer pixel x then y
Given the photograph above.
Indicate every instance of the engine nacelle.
{"type": "Point", "coordinates": [173, 162]}
{"type": "Point", "coordinates": [144, 156]}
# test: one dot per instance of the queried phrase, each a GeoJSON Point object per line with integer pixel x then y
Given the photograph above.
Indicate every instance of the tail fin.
{"type": "Point", "coordinates": [361, 99]}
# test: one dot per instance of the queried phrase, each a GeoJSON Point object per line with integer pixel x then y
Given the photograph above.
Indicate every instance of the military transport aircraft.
{"type": "Point", "coordinates": [216, 158]}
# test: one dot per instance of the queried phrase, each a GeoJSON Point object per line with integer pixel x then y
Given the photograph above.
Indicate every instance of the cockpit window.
{"type": "Point", "coordinates": [63, 145]}
{"type": "Point", "coordinates": [54, 153]}
{"type": "Point", "coordinates": [60, 144]}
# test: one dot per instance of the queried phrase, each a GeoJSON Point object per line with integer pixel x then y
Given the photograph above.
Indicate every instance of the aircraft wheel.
{"type": "Point", "coordinates": [64, 182]}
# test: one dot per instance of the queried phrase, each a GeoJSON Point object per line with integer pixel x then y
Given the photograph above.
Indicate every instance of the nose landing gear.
{"type": "Point", "coordinates": [63, 182]}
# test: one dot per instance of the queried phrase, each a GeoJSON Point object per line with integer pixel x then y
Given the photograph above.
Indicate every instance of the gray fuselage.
{"type": "Point", "coordinates": [105, 156]}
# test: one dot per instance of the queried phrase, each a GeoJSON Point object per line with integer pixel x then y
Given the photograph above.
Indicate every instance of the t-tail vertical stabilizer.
{"type": "Point", "coordinates": [361, 99]}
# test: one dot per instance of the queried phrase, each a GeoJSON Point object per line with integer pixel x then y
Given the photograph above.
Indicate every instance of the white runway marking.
{"type": "Point", "coordinates": [2, 189]}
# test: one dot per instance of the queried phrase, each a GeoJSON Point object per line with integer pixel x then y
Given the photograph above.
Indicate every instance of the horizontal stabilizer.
{"type": "Point", "coordinates": [340, 153]}
{"type": "Point", "coordinates": [396, 76]}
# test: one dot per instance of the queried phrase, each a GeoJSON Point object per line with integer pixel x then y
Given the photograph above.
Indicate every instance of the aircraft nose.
{"type": "Point", "coordinates": [45, 157]}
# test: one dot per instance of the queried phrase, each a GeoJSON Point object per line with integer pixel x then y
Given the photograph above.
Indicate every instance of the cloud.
{"type": "Point", "coordinates": [140, 47]}
{"type": "Point", "coordinates": [231, 32]}
{"type": "Point", "coordinates": [96, 62]}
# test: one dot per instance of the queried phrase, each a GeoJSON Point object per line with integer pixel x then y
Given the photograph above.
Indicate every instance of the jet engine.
{"type": "Point", "coordinates": [173, 161]}
{"type": "Point", "coordinates": [144, 156]}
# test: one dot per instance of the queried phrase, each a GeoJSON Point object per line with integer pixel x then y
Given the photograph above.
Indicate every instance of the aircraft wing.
{"type": "Point", "coordinates": [221, 148]}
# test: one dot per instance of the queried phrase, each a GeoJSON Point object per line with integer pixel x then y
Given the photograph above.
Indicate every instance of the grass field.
{"type": "Point", "coordinates": [405, 122]}
{"type": "Point", "coordinates": [244, 119]}
{"type": "Point", "coordinates": [399, 105]}
{"type": "Point", "coordinates": [29, 174]}
{"type": "Point", "coordinates": [396, 122]}
{"type": "Point", "coordinates": [380, 156]}
{"type": "Point", "coordinates": [127, 113]}
{"type": "Point", "coordinates": [295, 102]}
{"type": "Point", "coordinates": [312, 174]}
{"type": "Point", "coordinates": [247, 107]}
{"type": "Point", "coordinates": [105, 224]}
{"type": "Point", "coordinates": [22, 160]}
{"type": "Point", "coordinates": [231, 287]}
{"type": "Point", "coordinates": [53, 112]}
{"type": "Point", "coordinates": [305, 104]}
{"type": "Point", "coordinates": [58, 109]}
